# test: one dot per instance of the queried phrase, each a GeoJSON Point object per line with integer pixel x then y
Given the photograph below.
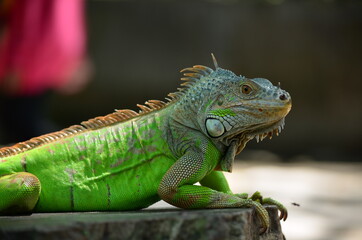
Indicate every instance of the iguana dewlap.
{"type": "Point", "coordinates": [128, 160]}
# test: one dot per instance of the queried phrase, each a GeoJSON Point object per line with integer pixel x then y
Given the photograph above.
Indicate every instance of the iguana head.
{"type": "Point", "coordinates": [235, 108]}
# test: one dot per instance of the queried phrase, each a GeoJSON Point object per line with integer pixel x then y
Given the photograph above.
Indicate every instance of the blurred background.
{"type": "Point", "coordinates": [113, 54]}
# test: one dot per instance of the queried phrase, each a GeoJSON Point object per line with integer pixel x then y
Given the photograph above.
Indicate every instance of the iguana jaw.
{"type": "Point", "coordinates": [267, 131]}
{"type": "Point", "coordinates": [259, 132]}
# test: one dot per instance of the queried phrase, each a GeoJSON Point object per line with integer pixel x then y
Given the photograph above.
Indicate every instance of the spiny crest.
{"type": "Point", "coordinates": [191, 76]}
{"type": "Point", "coordinates": [37, 141]}
{"type": "Point", "coordinates": [92, 124]}
{"type": "Point", "coordinates": [214, 60]}
{"type": "Point", "coordinates": [123, 115]}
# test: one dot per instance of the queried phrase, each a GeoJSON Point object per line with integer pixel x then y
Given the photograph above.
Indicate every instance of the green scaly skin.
{"type": "Point", "coordinates": [126, 161]}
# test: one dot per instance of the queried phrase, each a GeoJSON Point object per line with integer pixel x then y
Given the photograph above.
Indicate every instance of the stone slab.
{"type": "Point", "coordinates": [175, 224]}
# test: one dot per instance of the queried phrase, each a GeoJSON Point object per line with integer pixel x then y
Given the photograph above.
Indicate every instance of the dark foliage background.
{"type": "Point", "coordinates": [312, 47]}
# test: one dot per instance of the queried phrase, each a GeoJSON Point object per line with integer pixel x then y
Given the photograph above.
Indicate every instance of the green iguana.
{"type": "Point", "coordinates": [128, 160]}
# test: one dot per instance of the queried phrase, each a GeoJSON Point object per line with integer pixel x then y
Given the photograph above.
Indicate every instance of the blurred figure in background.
{"type": "Point", "coordinates": [42, 49]}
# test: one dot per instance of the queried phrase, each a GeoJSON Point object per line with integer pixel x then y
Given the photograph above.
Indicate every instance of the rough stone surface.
{"type": "Point", "coordinates": [173, 224]}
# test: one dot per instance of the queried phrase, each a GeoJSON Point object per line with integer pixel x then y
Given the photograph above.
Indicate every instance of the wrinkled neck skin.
{"type": "Point", "coordinates": [183, 123]}
{"type": "Point", "coordinates": [188, 117]}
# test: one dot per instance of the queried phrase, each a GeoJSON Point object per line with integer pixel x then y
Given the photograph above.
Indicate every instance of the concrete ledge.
{"type": "Point", "coordinates": [157, 224]}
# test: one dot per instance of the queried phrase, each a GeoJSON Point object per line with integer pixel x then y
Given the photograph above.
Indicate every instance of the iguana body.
{"type": "Point", "coordinates": [128, 160]}
{"type": "Point", "coordinates": [118, 167]}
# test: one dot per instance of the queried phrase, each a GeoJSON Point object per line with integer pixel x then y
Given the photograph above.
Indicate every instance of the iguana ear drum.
{"type": "Point", "coordinates": [214, 127]}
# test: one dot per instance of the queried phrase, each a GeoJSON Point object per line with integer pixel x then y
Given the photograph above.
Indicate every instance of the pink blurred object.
{"type": "Point", "coordinates": [43, 45]}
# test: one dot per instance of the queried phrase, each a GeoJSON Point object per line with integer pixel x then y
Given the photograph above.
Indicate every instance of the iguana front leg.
{"type": "Point", "coordinates": [19, 192]}
{"type": "Point", "coordinates": [177, 187]}
{"type": "Point", "coordinates": [217, 181]}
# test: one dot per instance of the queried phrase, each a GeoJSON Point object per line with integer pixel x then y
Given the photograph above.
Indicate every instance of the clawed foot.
{"type": "Point", "coordinates": [283, 210]}
{"type": "Point", "coordinates": [257, 201]}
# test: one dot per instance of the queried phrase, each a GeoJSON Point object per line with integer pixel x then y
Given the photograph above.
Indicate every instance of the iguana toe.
{"type": "Point", "coordinates": [283, 210]}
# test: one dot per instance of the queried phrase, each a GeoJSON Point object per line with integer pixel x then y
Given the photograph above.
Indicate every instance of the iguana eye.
{"type": "Point", "coordinates": [246, 89]}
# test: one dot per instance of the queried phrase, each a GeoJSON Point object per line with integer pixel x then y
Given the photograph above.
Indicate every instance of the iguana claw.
{"type": "Point", "coordinates": [283, 210]}
{"type": "Point", "coordinates": [257, 197]}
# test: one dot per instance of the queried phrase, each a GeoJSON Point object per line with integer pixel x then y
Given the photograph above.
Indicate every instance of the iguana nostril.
{"type": "Point", "coordinates": [283, 97]}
